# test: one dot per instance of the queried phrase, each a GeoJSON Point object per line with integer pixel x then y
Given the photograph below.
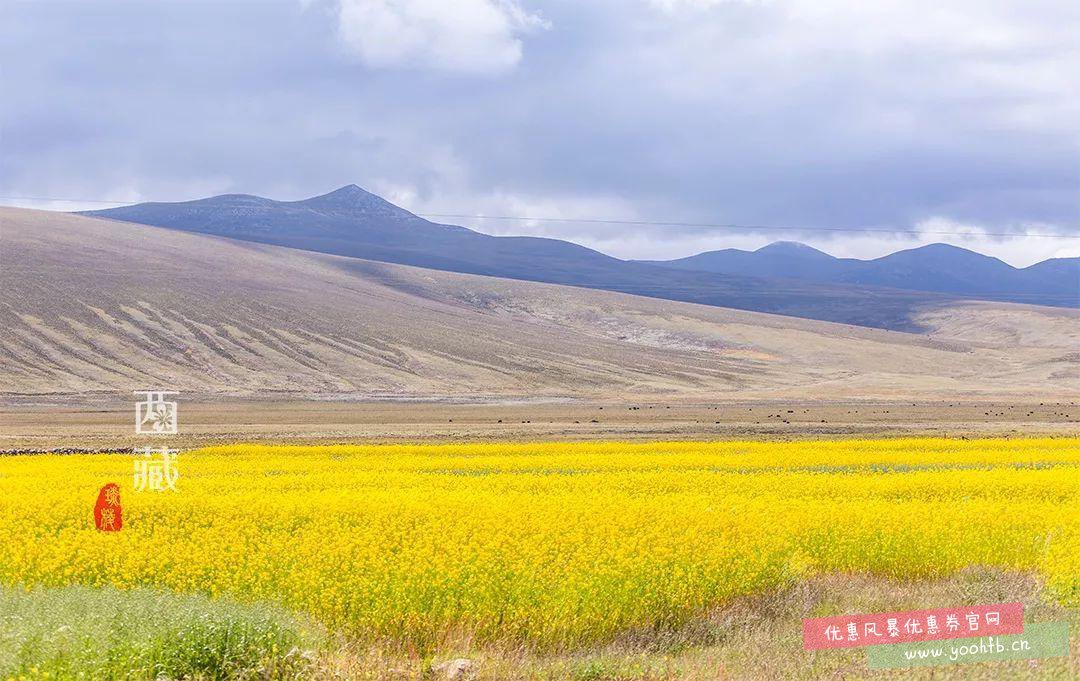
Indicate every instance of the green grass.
{"type": "Point", "coordinates": [105, 633]}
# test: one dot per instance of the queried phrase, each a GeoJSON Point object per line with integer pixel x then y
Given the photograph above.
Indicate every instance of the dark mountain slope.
{"type": "Point", "coordinates": [939, 268]}
{"type": "Point", "coordinates": [781, 259]}
{"type": "Point", "coordinates": [353, 222]}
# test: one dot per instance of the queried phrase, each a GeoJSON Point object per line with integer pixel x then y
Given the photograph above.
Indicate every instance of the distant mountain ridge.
{"type": "Point", "coordinates": [936, 267]}
{"type": "Point", "coordinates": [353, 222]}
{"type": "Point", "coordinates": [99, 308]}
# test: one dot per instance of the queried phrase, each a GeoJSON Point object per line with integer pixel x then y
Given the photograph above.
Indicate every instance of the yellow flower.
{"type": "Point", "coordinates": [550, 543]}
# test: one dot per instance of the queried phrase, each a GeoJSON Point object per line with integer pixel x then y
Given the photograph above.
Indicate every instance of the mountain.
{"type": "Point", "coordinates": [351, 221]}
{"type": "Point", "coordinates": [785, 259]}
{"type": "Point", "coordinates": [1051, 272]}
{"type": "Point", "coordinates": [784, 278]}
{"type": "Point", "coordinates": [356, 223]}
{"type": "Point", "coordinates": [938, 268]}
{"type": "Point", "coordinates": [100, 307]}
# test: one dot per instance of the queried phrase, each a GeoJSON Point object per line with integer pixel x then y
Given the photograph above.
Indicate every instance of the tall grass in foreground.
{"type": "Point", "coordinates": [550, 545]}
{"type": "Point", "coordinates": [105, 633]}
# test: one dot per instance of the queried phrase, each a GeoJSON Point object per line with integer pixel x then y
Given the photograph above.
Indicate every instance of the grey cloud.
{"type": "Point", "coordinates": [799, 113]}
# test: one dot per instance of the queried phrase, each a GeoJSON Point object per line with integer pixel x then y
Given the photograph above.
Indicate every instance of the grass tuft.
{"type": "Point", "coordinates": [86, 632]}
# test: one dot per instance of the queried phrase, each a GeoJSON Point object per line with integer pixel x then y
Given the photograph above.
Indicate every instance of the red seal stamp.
{"type": "Point", "coordinates": [108, 514]}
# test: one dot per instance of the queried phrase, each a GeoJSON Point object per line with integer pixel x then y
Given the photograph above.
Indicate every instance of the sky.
{"type": "Point", "coordinates": [958, 121]}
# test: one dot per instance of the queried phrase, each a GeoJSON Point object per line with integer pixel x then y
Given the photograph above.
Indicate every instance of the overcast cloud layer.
{"type": "Point", "coordinates": [914, 114]}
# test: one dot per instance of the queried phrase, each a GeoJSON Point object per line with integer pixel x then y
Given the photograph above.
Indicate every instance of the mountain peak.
{"type": "Point", "coordinates": [940, 247]}
{"type": "Point", "coordinates": [354, 201]}
{"type": "Point", "coordinates": [943, 255]}
{"type": "Point", "coordinates": [350, 195]}
{"type": "Point", "coordinates": [792, 248]}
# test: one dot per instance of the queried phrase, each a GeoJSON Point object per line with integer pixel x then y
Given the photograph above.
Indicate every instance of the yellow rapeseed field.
{"type": "Point", "coordinates": [553, 544]}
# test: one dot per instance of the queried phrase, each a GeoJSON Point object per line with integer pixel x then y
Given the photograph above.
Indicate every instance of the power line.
{"type": "Point", "coordinates": [731, 225]}
{"type": "Point", "coordinates": [645, 223]}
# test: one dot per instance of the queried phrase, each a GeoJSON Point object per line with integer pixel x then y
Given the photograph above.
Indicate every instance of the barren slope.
{"type": "Point", "coordinates": [93, 306]}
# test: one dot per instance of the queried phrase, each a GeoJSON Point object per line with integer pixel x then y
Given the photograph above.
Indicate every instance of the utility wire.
{"type": "Point", "coordinates": [646, 223]}
{"type": "Point", "coordinates": [721, 225]}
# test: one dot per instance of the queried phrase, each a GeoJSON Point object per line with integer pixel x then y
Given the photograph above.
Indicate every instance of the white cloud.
{"type": "Point", "coordinates": [672, 6]}
{"type": "Point", "coordinates": [476, 37]}
{"type": "Point", "coordinates": [506, 211]}
{"type": "Point", "coordinates": [1019, 251]}
{"type": "Point", "coordinates": [651, 242]}
{"type": "Point", "coordinates": [817, 113]}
